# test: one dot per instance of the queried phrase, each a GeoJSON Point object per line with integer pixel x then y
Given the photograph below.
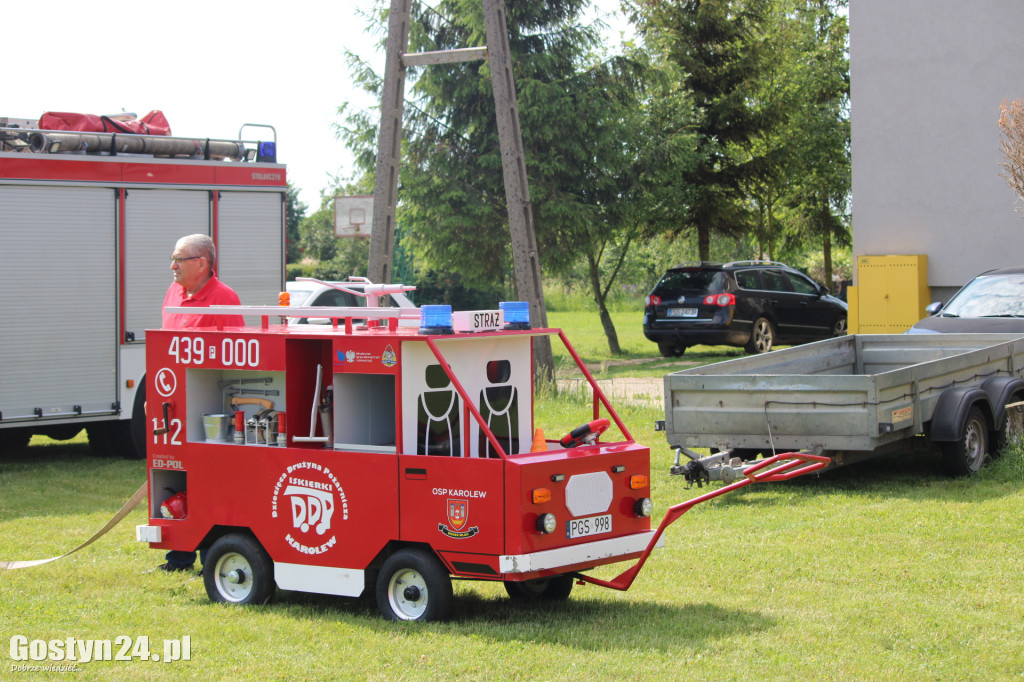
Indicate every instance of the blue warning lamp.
{"type": "Point", "coordinates": [436, 319]}
{"type": "Point", "coordinates": [267, 152]}
{"type": "Point", "coordinates": [517, 314]}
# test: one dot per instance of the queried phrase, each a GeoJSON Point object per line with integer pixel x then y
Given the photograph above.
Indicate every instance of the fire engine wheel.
{"type": "Point", "coordinates": [14, 440]}
{"type": "Point", "coordinates": [128, 436]}
{"type": "Point", "coordinates": [762, 336]}
{"type": "Point", "coordinates": [237, 570]}
{"type": "Point", "coordinates": [967, 455]}
{"type": "Point", "coordinates": [101, 440]}
{"type": "Point", "coordinates": [414, 585]}
{"type": "Point", "coordinates": [555, 588]}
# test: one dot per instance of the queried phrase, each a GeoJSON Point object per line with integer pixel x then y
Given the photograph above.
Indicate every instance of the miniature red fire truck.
{"type": "Point", "coordinates": [368, 455]}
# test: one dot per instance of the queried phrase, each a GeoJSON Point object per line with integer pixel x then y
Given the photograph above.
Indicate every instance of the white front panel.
{"type": "Point", "coordinates": [58, 342]}
{"type": "Point", "coordinates": [344, 582]}
{"type": "Point", "coordinates": [496, 397]}
{"type": "Point", "coordinates": [155, 219]}
{"type": "Point", "coordinates": [250, 245]}
{"type": "Point", "coordinates": [549, 559]}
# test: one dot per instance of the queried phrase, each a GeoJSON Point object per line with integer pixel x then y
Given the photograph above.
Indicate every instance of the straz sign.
{"type": "Point", "coordinates": [458, 517]}
{"type": "Point", "coordinates": [309, 496]}
{"type": "Point", "coordinates": [478, 320]}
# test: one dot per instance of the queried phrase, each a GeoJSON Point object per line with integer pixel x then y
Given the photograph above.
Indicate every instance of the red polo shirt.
{"type": "Point", "coordinates": [214, 292]}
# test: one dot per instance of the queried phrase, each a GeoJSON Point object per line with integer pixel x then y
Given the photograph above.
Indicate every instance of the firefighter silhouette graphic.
{"type": "Point", "coordinates": [499, 407]}
{"type": "Point", "coordinates": [438, 416]}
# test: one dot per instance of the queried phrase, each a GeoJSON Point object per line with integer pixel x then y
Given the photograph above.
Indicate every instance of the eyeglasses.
{"type": "Point", "coordinates": [179, 259]}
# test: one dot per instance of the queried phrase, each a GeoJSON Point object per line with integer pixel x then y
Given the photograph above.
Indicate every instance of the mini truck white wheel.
{"type": "Point", "coordinates": [414, 585]}
{"type": "Point", "coordinates": [238, 571]}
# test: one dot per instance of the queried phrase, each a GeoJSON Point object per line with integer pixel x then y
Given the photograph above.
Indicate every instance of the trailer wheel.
{"type": "Point", "coordinates": [1002, 436]}
{"type": "Point", "coordinates": [555, 588]}
{"type": "Point", "coordinates": [762, 337]}
{"type": "Point", "coordinates": [237, 570]}
{"type": "Point", "coordinates": [967, 455]}
{"type": "Point", "coordinates": [414, 585]}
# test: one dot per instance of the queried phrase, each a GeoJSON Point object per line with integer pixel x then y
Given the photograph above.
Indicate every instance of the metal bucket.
{"type": "Point", "coordinates": [216, 427]}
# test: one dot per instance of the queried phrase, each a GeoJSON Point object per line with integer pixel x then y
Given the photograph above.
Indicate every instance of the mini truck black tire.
{"type": "Point", "coordinates": [238, 570]}
{"type": "Point", "coordinates": [555, 588]}
{"type": "Point", "coordinates": [414, 585]}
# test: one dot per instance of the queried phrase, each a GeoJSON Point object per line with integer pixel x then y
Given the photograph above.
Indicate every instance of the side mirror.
{"type": "Point", "coordinates": [933, 307]}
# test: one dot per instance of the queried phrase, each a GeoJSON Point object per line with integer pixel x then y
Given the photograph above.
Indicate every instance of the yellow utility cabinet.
{"type": "Point", "coordinates": [891, 294]}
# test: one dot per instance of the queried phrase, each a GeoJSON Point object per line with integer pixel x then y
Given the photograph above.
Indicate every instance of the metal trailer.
{"type": "Point", "coordinates": [849, 398]}
{"type": "Point", "coordinates": [86, 235]}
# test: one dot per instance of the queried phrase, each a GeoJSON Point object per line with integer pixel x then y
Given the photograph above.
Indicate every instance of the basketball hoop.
{"type": "Point", "coordinates": [353, 216]}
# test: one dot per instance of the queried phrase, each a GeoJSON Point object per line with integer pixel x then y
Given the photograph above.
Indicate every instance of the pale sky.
{"type": "Point", "coordinates": [209, 66]}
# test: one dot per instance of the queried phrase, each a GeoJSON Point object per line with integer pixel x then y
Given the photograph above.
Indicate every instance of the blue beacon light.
{"type": "Point", "coordinates": [517, 314]}
{"type": "Point", "coordinates": [436, 319]}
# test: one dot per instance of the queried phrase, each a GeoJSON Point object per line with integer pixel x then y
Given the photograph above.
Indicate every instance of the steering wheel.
{"type": "Point", "coordinates": [586, 433]}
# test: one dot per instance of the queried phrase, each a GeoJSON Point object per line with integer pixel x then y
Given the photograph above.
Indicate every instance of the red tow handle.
{"type": "Point", "coordinates": [793, 464]}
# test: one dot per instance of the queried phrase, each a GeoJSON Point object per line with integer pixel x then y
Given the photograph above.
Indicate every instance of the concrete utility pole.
{"type": "Point", "coordinates": [389, 145]}
{"type": "Point", "coordinates": [526, 261]}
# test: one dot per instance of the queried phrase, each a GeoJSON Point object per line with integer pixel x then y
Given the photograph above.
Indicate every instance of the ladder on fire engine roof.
{"type": "Point", "coordinates": [526, 263]}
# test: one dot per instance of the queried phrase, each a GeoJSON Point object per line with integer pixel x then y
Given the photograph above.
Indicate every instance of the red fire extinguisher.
{"type": "Point", "coordinates": [174, 507]}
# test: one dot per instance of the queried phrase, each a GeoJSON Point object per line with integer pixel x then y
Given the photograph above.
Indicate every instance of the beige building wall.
{"type": "Point", "coordinates": [927, 78]}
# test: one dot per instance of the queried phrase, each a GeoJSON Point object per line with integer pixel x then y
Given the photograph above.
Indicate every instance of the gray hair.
{"type": "Point", "coordinates": [200, 244]}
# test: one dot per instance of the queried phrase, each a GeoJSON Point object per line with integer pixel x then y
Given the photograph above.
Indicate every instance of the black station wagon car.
{"type": "Point", "coordinates": [750, 304]}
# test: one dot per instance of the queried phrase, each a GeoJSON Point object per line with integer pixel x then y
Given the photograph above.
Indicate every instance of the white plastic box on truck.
{"type": "Point", "coordinates": [86, 237]}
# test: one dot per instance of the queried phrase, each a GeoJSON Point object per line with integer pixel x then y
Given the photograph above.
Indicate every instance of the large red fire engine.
{"type": "Point", "coordinates": [367, 455]}
{"type": "Point", "coordinates": [87, 221]}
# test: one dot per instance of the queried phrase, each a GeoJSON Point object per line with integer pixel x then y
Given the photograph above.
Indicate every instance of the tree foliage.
{"type": "Point", "coordinates": [295, 211]}
{"type": "Point", "coordinates": [718, 48]}
{"type": "Point", "coordinates": [755, 136]}
{"type": "Point", "coordinates": [578, 127]}
{"type": "Point", "coordinates": [1011, 125]}
{"type": "Point", "coordinates": [726, 129]}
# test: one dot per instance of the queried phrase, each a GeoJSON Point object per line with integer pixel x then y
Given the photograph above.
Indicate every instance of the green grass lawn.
{"type": "Point", "coordinates": [639, 358]}
{"type": "Point", "coordinates": [885, 570]}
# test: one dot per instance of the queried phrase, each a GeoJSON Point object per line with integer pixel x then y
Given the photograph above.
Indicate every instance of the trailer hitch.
{"type": "Point", "coordinates": [773, 469]}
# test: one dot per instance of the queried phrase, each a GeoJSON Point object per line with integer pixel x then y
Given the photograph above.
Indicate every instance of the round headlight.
{"type": "Point", "coordinates": [643, 507]}
{"type": "Point", "coordinates": [546, 523]}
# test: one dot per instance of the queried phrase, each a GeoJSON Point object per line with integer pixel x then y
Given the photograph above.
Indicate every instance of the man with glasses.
{"type": "Point", "coordinates": [195, 286]}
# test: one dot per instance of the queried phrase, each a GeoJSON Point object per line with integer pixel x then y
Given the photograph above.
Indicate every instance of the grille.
{"type": "Point", "coordinates": [587, 494]}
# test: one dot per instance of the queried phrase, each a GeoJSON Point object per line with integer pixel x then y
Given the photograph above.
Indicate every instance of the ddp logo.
{"type": "Point", "coordinates": [309, 497]}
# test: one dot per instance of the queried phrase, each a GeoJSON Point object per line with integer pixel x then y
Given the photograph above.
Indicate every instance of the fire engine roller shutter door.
{"type": "Point", "coordinates": [250, 243]}
{"type": "Point", "coordinates": [58, 343]}
{"type": "Point", "coordinates": [155, 219]}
